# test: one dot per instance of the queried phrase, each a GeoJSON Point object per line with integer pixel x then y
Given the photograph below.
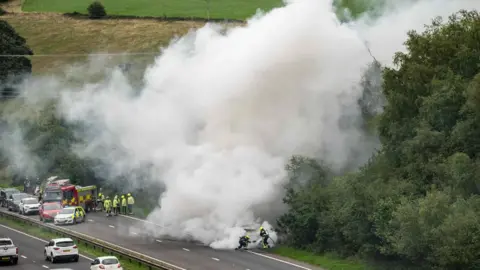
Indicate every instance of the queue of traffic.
{"type": "Point", "coordinates": [61, 202]}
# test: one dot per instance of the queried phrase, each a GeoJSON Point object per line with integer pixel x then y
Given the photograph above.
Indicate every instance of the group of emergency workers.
{"type": "Point", "coordinates": [120, 204]}
{"type": "Point", "coordinates": [245, 240]}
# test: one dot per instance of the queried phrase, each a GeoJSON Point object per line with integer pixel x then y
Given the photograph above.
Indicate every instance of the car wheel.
{"type": "Point", "coordinates": [76, 259]}
{"type": "Point", "coordinates": [15, 261]}
{"type": "Point", "coordinates": [52, 258]}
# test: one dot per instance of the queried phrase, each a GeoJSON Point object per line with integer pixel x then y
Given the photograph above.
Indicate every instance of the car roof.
{"type": "Point", "coordinates": [107, 257]}
{"type": "Point", "coordinates": [61, 239]}
{"type": "Point", "coordinates": [5, 238]}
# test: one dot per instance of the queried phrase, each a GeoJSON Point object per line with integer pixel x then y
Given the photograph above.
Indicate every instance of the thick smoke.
{"type": "Point", "coordinates": [220, 114]}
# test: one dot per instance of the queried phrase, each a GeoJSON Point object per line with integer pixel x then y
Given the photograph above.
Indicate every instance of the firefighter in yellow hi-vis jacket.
{"type": "Point", "coordinates": [115, 205]}
{"type": "Point", "coordinates": [124, 205]}
{"type": "Point", "coordinates": [130, 202]}
{"type": "Point", "coordinates": [108, 206]}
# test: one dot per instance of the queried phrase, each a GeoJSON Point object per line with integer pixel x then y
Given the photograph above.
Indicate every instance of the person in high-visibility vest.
{"type": "Point", "coordinates": [115, 205]}
{"type": "Point", "coordinates": [130, 202]}
{"type": "Point", "coordinates": [108, 206]}
{"type": "Point", "coordinates": [101, 198]}
{"type": "Point", "coordinates": [124, 205]}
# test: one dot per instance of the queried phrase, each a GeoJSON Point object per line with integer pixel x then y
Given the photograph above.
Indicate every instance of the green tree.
{"type": "Point", "coordinates": [12, 68]}
{"type": "Point", "coordinates": [96, 10]}
{"type": "Point", "coordinates": [416, 202]}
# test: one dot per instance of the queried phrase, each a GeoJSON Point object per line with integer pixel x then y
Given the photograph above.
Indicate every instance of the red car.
{"type": "Point", "coordinates": [49, 210]}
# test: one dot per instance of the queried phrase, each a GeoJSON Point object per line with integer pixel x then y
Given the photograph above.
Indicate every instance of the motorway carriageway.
{"type": "Point", "coordinates": [179, 254]}
{"type": "Point", "coordinates": [30, 251]}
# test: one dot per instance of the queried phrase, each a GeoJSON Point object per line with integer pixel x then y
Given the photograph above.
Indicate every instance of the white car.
{"type": "Point", "coordinates": [70, 215]}
{"type": "Point", "coordinates": [61, 249]}
{"type": "Point", "coordinates": [106, 263]}
{"type": "Point", "coordinates": [8, 251]}
{"type": "Point", "coordinates": [29, 206]}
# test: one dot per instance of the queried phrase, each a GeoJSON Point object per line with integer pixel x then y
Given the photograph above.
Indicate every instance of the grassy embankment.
{"type": "Point", "coordinates": [46, 235]}
{"type": "Point", "coordinates": [328, 262]}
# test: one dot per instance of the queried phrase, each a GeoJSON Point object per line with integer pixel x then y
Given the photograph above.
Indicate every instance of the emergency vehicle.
{"type": "Point", "coordinates": [71, 195]}
{"type": "Point", "coordinates": [79, 196]}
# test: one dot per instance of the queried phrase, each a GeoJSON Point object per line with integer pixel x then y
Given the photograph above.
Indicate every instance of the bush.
{"type": "Point", "coordinates": [2, 12]}
{"type": "Point", "coordinates": [96, 10]}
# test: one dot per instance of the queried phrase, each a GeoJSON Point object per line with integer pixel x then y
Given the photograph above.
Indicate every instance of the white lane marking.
{"type": "Point", "coordinates": [158, 241]}
{"type": "Point", "coordinates": [91, 220]}
{"type": "Point", "coordinates": [36, 238]}
{"type": "Point", "coordinates": [44, 266]}
{"type": "Point", "coordinates": [134, 233]}
{"type": "Point", "coordinates": [23, 256]}
{"type": "Point", "coordinates": [111, 226]}
{"type": "Point", "coordinates": [113, 245]}
{"type": "Point", "coordinates": [186, 249]}
{"type": "Point", "coordinates": [278, 260]}
{"type": "Point", "coordinates": [215, 259]}
{"type": "Point", "coordinates": [142, 220]}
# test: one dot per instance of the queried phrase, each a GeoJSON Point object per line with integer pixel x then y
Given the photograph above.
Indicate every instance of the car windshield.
{"type": "Point", "coordinates": [53, 206]}
{"type": "Point", "coordinates": [109, 261]}
{"type": "Point", "coordinates": [19, 196]}
{"type": "Point", "coordinates": [65, 244]}
{"type": "Point", "coordinates": [5, 242]}
{"type": "Point", "coordinates": [30, 201]}
{"type": "Point", "coordinates": [53, 195]}
{"type": "Point", "coordinates": [67, 211]}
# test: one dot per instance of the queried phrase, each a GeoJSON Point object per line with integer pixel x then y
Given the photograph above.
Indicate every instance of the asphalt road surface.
{"type": "Point", "coordinates": [30, 251]}
{"type": "Point", "coordinates": [185, 256]}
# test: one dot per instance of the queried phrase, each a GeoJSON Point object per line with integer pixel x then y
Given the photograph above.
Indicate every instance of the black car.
{"type": "Point", "coordinates": [5, 195]}
{"type": "Point", "coordinates": [15, 199]}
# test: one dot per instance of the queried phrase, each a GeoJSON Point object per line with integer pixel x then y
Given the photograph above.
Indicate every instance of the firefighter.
{"type": "Point", "coordinates": [243, 242]}
{"type": "Point", "coordinates": [130, 202]}
{"type": "Point", "coordinates": [265, 236]}
{"type": "Point", "coordinates": [101, 198]}
{"type": "Point", "coordinates": [115, 205]}
{"type": "Point", "coordinates": [108, 206]}
{"type": "Point", "coordinates": [124, 205]}
{"type": "Point", "coordinates": [119, 202]}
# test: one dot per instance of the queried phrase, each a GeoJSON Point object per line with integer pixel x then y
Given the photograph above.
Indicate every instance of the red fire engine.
{"type": "Point", "coordinates": [71, 195]}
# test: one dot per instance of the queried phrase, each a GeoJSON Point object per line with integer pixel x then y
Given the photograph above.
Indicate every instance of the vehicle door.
{"type": "Point", "coordinates": [95, 264]}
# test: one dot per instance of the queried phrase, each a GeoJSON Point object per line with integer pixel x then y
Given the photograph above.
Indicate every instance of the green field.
{"type": "Point", "coordinates": [219, 9]}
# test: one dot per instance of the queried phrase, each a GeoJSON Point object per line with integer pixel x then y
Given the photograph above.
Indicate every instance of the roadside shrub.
{"type": "Point", "coordinates": [96, 10]}
{"type": "Point", "coordinates": [2, 12]}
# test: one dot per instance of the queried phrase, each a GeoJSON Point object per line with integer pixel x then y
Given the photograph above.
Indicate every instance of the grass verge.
{"type": "Point", "coordinates": [46, 235]}
{"type": "Point", "coordinates": [327, 262]}
{"type": "Point", "coordinates": [59, 35]}
{"type": "Point", "coordinates": [218, 9]}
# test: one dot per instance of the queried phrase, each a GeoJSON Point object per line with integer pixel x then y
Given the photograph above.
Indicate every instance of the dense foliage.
{"type": "Point", "coordinates": [12, 68]}
{"type": "Point", "coordinates": [417, 201]}
{"type": "Point", "coordinates": [96, 10]}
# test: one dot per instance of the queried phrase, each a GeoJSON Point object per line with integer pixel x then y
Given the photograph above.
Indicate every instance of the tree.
{"type": "Point", "coordinates": [96, 10]}
{"type": "Point", "coordinates": [417, 201]}
{"type": "Point", "coordinates": [12, 68]}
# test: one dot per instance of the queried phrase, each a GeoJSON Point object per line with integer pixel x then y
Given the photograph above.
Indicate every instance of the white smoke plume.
{"type": "Point", "coordinates": [220, 114]}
